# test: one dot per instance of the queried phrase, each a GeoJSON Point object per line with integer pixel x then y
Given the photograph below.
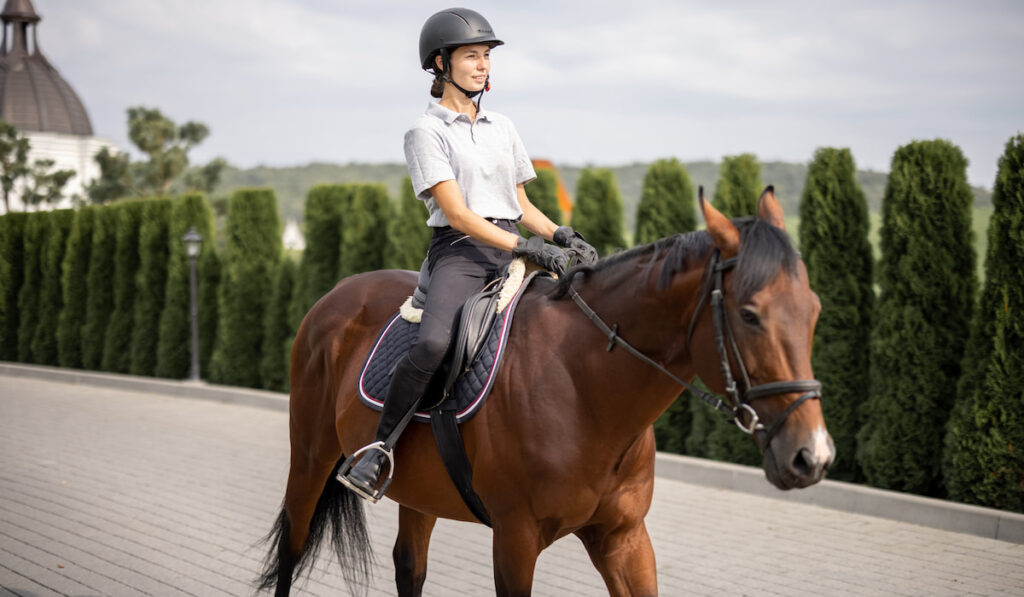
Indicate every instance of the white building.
{"type": "Point", "coordinates": [41, 104]}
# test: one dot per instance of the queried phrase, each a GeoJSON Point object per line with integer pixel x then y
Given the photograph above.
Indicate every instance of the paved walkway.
{"type": "Point", "coordinates": [108, 492]}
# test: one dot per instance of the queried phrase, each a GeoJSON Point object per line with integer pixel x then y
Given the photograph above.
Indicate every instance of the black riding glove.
{"type": "Point", "coordinates": [566, 237]}
{"type": "Point", "coordinates": [547, 256]}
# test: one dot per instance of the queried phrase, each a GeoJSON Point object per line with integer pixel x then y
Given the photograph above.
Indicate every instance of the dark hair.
{"type": "Point", "coordinates": [437, 87]}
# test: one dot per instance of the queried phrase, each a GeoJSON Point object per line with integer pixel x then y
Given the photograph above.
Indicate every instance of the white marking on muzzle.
{"type": "Point", "coordinates": [819, 444]}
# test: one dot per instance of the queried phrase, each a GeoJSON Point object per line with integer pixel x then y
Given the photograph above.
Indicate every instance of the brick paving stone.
{"type": "Point", "coordinates": [146, 494]}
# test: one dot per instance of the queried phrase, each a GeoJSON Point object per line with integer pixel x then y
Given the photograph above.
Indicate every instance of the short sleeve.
{"type": "Point", "coordinates": [427, 160]}
{"type": "Point", "coordinates": [524, 167]}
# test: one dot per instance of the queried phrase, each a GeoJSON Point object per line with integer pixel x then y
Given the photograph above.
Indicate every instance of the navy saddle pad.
{"type": "Point", "coordinates": [471, 389]}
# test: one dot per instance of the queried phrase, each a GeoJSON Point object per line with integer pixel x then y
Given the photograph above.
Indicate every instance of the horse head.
{"type": "Point", "coordinates": [766, 313]}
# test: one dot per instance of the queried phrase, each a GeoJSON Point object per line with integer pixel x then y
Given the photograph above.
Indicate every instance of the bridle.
{"type": "Point", "coordinates": [740, 398]}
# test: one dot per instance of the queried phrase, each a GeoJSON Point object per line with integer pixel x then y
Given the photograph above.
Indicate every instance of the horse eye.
{"type": "Point", "coordinates": [749, 317]}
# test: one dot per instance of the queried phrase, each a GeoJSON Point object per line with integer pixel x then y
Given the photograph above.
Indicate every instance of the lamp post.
{"type": "Point", "coordinates": [193, 243]}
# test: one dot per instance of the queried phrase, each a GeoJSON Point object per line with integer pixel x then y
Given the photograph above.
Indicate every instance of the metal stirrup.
{"type": "Point", "coordinates": [346, 466]}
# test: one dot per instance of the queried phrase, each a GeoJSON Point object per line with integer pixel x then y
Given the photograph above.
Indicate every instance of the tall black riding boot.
{"type": "Point", "coordinates": [408, 384]}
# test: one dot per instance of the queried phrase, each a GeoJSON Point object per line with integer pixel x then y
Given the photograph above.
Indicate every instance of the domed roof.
{"type": "Point", "coordinates": [33, 95]}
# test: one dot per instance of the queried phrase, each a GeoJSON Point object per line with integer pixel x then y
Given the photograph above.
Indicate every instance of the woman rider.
{"type": "Point", "coordinates": [469, 167]}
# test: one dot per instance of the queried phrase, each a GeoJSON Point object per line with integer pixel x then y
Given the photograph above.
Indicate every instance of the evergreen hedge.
{"type": "Point", "coordinates": [74, 273]}
{"type": "Point", "coordinates": [318, 270]}
{"type": "Point", "coordinates": [51, 297]}
{"type": "Point", "coordinates": [364, 228]}
{"type": "Point", "coordinates": [252, 251]}
{"type": "Point", "coordinates": [28, 297]}
{"type": "Point", "coordinates": [408, 233]}
{"type": "Point", "coordinates": [209, 304]}
{"type": "Point", "coordinates": [99, 286]}
{"type": "Point", "coordinates": [835, 248]}
{"type": "Point", "coordinates": [927, 281]}
{"type": "Point", "coordinates": [150, 284]}
{"type": "Point", "coordinates": [174, 350]}
{"type": "Point", "coordinates": [597, 214]}
{"type": "Point", "coordinates": [117, 344]}
{"type": "Point", "coordinates": [277, 332]}
{"type": "Point", "coordinates": [667, 203]}
{"type": "Point", "coordinates": [739, 185]}
{"type": "Point", "coordinates": [12, 273]}
{"type": "Point", "coordinates": [543, 194]}
{"type": "Point", "coordinates": [984, 457]}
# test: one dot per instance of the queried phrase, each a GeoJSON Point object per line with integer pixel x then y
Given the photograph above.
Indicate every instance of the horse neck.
{"type": "Point", "coordinates": [626, 394]}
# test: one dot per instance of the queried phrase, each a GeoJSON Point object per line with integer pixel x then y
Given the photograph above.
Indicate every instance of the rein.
{"type": "Point", "coordinates": [740, 399]}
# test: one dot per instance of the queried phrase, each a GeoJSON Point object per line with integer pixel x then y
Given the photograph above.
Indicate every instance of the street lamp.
{"type": "Point", "coordinates": [193, 243]}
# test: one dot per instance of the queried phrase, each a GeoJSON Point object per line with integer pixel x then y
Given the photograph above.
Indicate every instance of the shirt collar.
{"type": "Point", "coordinates": [450, 116]}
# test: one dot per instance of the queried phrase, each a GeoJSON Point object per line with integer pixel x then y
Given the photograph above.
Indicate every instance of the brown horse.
{"type": "Point", "coordinates": [565, 443]}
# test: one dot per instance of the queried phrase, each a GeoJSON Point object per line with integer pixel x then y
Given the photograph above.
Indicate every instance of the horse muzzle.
{"type": "Point", "coordinates": [801, 465]}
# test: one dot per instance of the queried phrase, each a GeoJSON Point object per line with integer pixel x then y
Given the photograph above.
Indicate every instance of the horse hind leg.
{"type": "Point", "coordinates": [316, 506]}
{"type": "Point", "coordinates": [410, 553]}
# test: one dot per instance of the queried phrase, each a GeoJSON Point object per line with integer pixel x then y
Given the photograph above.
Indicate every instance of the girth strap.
{"type": "Point", "coordinates": [453, 454]}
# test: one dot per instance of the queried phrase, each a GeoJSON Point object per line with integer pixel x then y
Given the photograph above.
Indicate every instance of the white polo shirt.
{"type": "Point", "coordinates": [486, 158]}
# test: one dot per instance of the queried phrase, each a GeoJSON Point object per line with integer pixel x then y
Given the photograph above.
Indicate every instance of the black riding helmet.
{"type": "Point", "coordinates": [448, 29]}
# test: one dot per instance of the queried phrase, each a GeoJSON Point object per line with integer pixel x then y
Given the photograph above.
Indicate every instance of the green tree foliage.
{"type": "Point", "coordinates": [984, 457]}
{"type": "Point", "coordinates": [252, 251]}
{"type": "Point", "coordinates": [43, 184]}
{"type": "Point", "coordinates": [117, 345]}
{"type": "Point", "coordinates": [835, 249]}
{"type": "Point", "coordinates": [739, 185]}
{"type": "Point", "coordinates": [74, 272]}
{"type": "Point", "coordinates": [13, 160]}
{"type": "Point", "coordinates": [364, 229]}
{"type": "Point", "coordinates": [543, 194]}
{"type": "Point", "coordinates": [667, 204]}
{"type": "Point", "coordinates": [204, 178]}
{"type": "Point", "coordinates": [318, 270]}
{"type": "Point", "coordinates": [12, 273]}
{"type": "Point", "coordinates": [99, 286]}
{"type": "Point", "coordinates": [150, 284]}
{"type": "Point", "coordinates": [36, 229]}
{"type": "Point", "coordinates": [408, 233]}
{"type": "Point", "coordinates": [927, 282]}
{"type": "Point", "coordinates": [209, 306]}
{"type": "Point", "coordinates": [597, 214]}
{"type": "Point", "coordinates": [277, 332]}
{"type": "Point", "coordinates": [175, 342]}
{"type": "Point", "coordinates": [51, 298]}
{"type": "Point", "coordinates": [115, 180]}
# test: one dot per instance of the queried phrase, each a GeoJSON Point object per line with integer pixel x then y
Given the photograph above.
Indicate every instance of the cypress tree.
{"type": "Point", "coordinates": [75, 269]}
{"type": "Point", "coordinates": [99, 287]}
{"type": "Point", "coordinates": [28, 297]}
{"type": "Point", "coordinates": [117, 344]}
{"type": "Point", "coordinates": [12, 273]}
{"type": "Point", "coordinates": [597, 214]}
{"type": "Point", "coordinates": [543, 194]}
{"type": "Point", "coordinates": [209, 304]}
{"type": "Point", "coordinates": [363, 229]}
{"type": "Point", "coordinates": [150, 284]}
{"type": "Point", "coordinates": [667, 204]}
{"type": "Point", "coordinates": [318, 270]}
{"type": "Point", "coordinates": [175, 343]}
{"type": "Point", "coordinates": [277, 333]}
{"type": "Point", "coordinates": [835, 249]}
{"type": "Point", "coordinates": [252, 251]}
{"type": "Point", "coordinates": [927, 282]}
{"type": "Point", "coordinates": [739, 186]}
{"type": "Point", "coordinates": [984, 459]}
{"type": "Point", "coordinates": [408, 233]}
{"type": "Point", "coordinates": [51, 297]}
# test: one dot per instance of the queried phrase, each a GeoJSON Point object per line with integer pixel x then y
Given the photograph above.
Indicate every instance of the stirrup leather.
{"type": "Point", "coordinates": [346, 466]}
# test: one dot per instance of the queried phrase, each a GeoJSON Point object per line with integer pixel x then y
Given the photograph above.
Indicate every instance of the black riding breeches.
{"type": "Point", "coordinates": [459, 266]}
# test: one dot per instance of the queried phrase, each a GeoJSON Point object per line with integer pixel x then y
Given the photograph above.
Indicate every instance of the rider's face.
{"type": "Point", "coordinates": [470, 66]}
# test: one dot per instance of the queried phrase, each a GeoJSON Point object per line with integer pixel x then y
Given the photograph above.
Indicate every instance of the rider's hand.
{"type": "Point", "coordinates": [547, 256]}
{"type": "Point", "coordinates": [568, 238]}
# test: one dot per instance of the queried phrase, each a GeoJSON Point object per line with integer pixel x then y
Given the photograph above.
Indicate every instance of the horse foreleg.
{"type": "Point", "coordinates": [624, 557]}
{"type": "Point", "coordinates": [410, 553]}
{"type": "Point", "coordinates": [515, 551]}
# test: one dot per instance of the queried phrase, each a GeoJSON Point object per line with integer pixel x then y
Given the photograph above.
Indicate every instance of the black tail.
{"type": "Point", "coordinates": [342, 511]}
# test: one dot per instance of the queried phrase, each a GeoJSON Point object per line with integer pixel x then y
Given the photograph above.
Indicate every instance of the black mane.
{"type": "Point", "coordinates": [764, 250]}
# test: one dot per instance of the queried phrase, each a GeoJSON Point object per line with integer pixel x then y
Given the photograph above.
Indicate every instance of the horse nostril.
{"type": "Point", "coordinates": [804, 463]}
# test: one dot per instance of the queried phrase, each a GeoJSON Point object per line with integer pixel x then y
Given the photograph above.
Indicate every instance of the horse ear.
{"type": "Point", "coordinates": [769, 210]}
{"type": "Point", "coordinates": [723, 232]}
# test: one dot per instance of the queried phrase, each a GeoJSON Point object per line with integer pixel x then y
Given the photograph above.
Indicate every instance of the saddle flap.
{"type": "Point", "coordinates": [473, 324]}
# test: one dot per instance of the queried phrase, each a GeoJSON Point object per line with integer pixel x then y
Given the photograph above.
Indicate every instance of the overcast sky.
{"type": "Point", "coordinates": [284, 82]}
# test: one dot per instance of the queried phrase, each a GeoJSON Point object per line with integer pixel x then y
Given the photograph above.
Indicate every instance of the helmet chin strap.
{"type": "Point", "coordinates": [446, 69]}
